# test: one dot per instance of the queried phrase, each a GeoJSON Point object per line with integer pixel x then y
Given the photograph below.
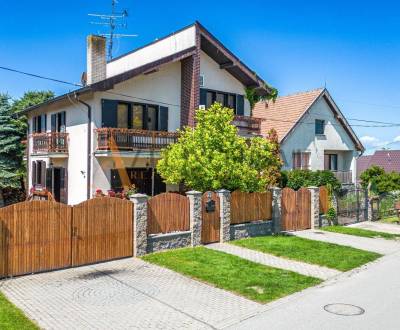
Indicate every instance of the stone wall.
{"type": "Point", "coordinates": [159, 242]}
{"type": "Point", "coordinates": [251, 229]}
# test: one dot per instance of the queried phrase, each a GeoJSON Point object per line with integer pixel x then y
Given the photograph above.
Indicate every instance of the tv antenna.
{"type": "Point", "coordinates": [113, 21]}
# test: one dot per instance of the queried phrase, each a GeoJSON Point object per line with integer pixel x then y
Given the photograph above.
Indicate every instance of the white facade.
{"type": "Point", "coordinates": [335, 140]}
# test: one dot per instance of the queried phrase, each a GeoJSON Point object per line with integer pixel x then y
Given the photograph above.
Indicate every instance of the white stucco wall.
{"type": "Point", "coordinates": [220, 79]}
{"type": "Point", "coordinates": [165, 47]}
{"type": "Point", "coordinates": [335, 140]}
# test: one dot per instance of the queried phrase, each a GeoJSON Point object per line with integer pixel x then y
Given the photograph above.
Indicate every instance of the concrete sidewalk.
{"type": "Point", "coordinates": [374, 287]}
{"type": "Point", "coordinates": [381, 246]}
{"type": "Point", "coordinates": [378, 226]}
{"type": "Point", "coordinates": [277, 262]}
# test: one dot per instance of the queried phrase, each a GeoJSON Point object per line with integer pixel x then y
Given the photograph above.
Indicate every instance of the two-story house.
{"type": "Point", "coordinates": [109, 133]}
{"type": "Point", "coordinates": [313, 133]}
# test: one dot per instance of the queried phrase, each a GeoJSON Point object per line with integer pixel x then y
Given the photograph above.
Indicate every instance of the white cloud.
{"type": "Point", "coordinates": [370, 140]}
{"type": "Point", "coordinates": [397, 139]}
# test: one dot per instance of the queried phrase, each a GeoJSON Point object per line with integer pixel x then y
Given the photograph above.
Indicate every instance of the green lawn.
{"type": "Point", "coordinates": [335, 256]}
{"type": "Point", "coordinates": [391, 219]}
{"type": "Point", "coordinates": [360, 232]}
{"type": "Point", "coordinates": [254, 281]}
{"type": "Point", "coordinates": [12, 318]}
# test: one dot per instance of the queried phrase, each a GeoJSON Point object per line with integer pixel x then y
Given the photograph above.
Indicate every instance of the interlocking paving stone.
{"type": "Point", "coordinates": [277, 262]}
{"type": "Point", "coordinates": [128, 293]}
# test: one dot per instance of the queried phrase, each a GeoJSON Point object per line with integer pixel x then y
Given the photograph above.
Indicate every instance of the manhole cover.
{"type": "Point", "coordinates": [319, 233]}
{"type": "Point", "coordinates": [344, 309]}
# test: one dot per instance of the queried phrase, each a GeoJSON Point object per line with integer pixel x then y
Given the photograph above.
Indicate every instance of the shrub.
{"type": "Point", "coordinates": [306, 178]}
{"type": "Point", "coordinates": [331, 215]}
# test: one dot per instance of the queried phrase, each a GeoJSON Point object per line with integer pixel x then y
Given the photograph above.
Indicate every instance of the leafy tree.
{"type": "Point", "coordinates": [387, 182]}
{"type": "Point", "coordinates": [212, 156]}
{"type": "Point", "coordinates": [370, 175]}
{"type": "Point", "coordinates": [11, 148]}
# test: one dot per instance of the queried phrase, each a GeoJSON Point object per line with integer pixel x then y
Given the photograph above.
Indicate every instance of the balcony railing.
{"type": "Point", "coordinates": [344, 176]}
{"type": "Point", "coordinates": [250, 124]}
{"type": "Point", "coordinates": [133, 139]}
{"type": "Point", "coordinates": [50, 142]}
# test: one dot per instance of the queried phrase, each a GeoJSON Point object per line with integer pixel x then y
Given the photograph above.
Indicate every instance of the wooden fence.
{"type": "Point", "coordinates": [38, 236]}
{"type": "Point", "coordinates": [246, 207]}
{"type": "Point", "coordinates": [323, 200]}
{"type": "Point", "coordinates": [296, 209]}
{"type": "Point", "coordinates": [167, 212]}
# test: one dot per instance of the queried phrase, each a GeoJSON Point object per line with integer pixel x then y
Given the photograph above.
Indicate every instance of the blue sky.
{"type": "Point", "coordinates": [352, 47]}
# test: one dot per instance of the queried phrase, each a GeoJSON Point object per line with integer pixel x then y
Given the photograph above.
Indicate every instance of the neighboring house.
{"type": "Point", "coordinates": [109, 133]}
{"type": "Point", "coordinates": [313, 133]}
{"type": "Point", "coordinates": [389, 160]}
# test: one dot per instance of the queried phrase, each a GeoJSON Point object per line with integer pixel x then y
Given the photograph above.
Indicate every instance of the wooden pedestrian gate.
{"type": "Point", "coordinates": [37, 236]}
{"type": "Point", "coordinates": [296, 209]}
{"type": "Point", "coordinates": [210, 226]}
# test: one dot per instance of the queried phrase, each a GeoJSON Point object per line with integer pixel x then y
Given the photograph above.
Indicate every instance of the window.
{"type": "Point", "coordinates": [58, 122]}
{"type": "Point", "coordinates": [119, 114]}
{"type": "Point", "coordinates": [319, 127]}
{"type": "Point", "coordinates": [301, 160]}
{"type": "Point", "coordinates": [230, 100]}
{"type": "Point", "coordinates": [39, 124]}
{"type": "Point", "coordinates": [39, 173]}
{"type": "Point", "coordinates": [331, 162]}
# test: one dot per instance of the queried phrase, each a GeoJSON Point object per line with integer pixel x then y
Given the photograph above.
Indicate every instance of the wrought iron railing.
{"type": "Point", "coordinates": [344, 176]}
{"type": "Point", "coordinates": [251, 124]}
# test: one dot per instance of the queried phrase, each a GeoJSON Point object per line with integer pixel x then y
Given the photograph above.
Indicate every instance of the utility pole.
{"type": "Point", "coordinates": [112, 21]}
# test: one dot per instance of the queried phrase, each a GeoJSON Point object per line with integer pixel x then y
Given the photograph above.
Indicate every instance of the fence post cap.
{"type": "Point", "coordinates": [193, 193]}
{"type": "Point", "coordinates": [138, 198]}
{"type": "Point", "coordinates": [313, 187]}
{"type": "Point", "coordinates": [222, 191]}
{"type": "Point", "coordinates": [276, 188]}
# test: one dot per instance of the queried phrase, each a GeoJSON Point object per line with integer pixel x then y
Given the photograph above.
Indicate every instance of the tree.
{"type": "Point", "coordinates": [370, 176]}
{"type": "Point", "coordinates": [212, 156]}
{"type": "Point", "coordinates": [11, 148]}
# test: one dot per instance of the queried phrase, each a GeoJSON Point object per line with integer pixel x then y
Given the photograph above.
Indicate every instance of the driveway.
{"type": "Point", "coordinates": [378, 226]}
{"type": "Point", "coordinates": [123, 294]}
{"type": "Point", "coordinates": [369, 244]}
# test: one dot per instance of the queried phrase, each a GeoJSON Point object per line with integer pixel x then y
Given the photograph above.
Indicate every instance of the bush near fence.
{"type": "Point", "coordinates": [166, 213]}
{"type": "Point", "coordinates": [247, 207]}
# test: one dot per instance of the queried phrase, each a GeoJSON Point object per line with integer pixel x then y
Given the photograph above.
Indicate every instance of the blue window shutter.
{"type": "Point", "coordinates": [163, 118]}
{"type": "Point", "coordinates": [109, 113]}
{"type": "Point", "coordinates": [240, 105]}
{"type": "Point", "coordinates": [203, 96]}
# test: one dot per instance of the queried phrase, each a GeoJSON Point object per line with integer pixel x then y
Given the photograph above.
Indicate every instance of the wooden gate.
{"type": "Point", "coordinates": [102, 229]}
{"type": "Point", "coordinates": [210, 226]}
{"type": "Point", "coordinates": [35, 236]}
{"type": "Point", "coordinates": [296, 209]}
{"type": "Point", "coordinates": [167, 212]}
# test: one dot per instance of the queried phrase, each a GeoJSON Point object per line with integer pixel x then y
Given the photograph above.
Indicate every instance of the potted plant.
{"type": "Point", "coordinates": [130, 191]}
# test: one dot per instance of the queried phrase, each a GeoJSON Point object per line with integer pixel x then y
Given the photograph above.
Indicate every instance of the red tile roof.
{"type": "Point", "coordinates": [284, 113]}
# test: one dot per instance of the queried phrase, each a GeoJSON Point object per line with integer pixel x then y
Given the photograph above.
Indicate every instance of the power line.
{"type": "Point", "coordinates": [177, 105]}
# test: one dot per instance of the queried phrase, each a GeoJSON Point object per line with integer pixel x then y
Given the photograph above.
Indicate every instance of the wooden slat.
{"type": "Point", "coordinates": [303, 201]}
{"type": "Point", "coordinates": [246, 207]}
{"type": "Point", "coordinates": [210, 227]}
{"type": "Point", "coordinates": [102, 230]}
{"type": "Point", "coordinates": [35, 236]}
{"type": "Point", "coordinates": [288, 209]}
{"type": "Point", "coordinates": [167, 212]}
{"type": "Point", "coordinates": [323, 200]}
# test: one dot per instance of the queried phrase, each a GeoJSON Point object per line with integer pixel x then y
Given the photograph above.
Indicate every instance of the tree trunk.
{"type": "Point", "coordinates": [1, 198]}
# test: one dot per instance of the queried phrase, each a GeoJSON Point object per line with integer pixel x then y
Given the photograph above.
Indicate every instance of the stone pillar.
{"type": "Point", "coordinates": [139, 224]}
{"type": "Point", "coordinates": [315, 223]}
{"type": "Point", "coordinates": [225, 214]}
{"type": "Point", "coordinates": [195, 216]}
{"type": "Point", "coordinates": [276, 209]}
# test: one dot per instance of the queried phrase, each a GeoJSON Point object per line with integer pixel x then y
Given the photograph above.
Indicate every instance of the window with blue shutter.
{"type": "Point", "coordinates": [163, 118]}
{"type": "Point", "coordinates": [240, 105]}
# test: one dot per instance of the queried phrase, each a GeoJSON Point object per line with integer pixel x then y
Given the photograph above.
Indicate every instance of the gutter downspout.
{"type": "Point", "coordinates": [89, 145]}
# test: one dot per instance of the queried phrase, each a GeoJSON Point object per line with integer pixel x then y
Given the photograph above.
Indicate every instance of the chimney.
{"type": "Point", "coordinates": [96, 59]}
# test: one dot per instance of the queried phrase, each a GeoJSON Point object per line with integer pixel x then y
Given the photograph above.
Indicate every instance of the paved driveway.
{"type": "Point", "coordinates": [124, 294]}
{"type": "Point", "coordinates": [378, 226]}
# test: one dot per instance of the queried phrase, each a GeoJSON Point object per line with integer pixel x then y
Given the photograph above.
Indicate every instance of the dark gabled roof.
{"type": "Point", "coordinates": [389, 160]}
{"type": "Point", "coordinates": [286, 112]}
{"type": "Point", "coordinates": [207, 43]}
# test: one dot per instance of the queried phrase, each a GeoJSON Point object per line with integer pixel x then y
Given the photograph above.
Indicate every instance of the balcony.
{"type": "Point", "coordinates": [133, 139]}
{"type": "Point", "coordinates": [248, 125]}
{"type": "Point", "coordinates": [53, 142]}
{"type": "Point", "coordinates": [344, 176]}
